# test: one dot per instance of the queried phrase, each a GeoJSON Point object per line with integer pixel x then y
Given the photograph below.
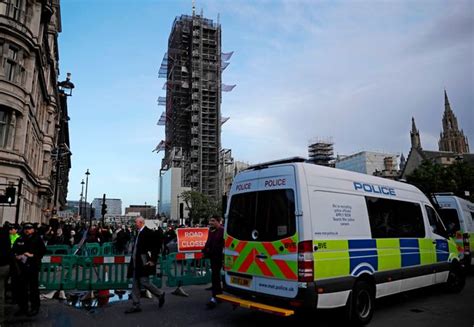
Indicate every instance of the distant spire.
{"type": "Point", "coordinates": [414, 135]}
{"type": "Point", "coordinates": [413, 126]}
{"type": "Point", "coordinates": [403, 162]}
{"type": "Point", "coordinates": [194, 7]}
{"type": "Point", "coordinates": [447, 107]}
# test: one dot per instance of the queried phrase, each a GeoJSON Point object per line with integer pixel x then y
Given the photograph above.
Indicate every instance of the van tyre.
{"type": "Point", "coordinates": [361, 304]}
{"type": "Point", "coordinates": [456, 279]}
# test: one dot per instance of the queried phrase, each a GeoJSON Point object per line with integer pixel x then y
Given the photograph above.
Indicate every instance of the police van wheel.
{"type": "Point", "coordinates": [361, 303]}
{"type": "Point", "coordinates": [456, 279]}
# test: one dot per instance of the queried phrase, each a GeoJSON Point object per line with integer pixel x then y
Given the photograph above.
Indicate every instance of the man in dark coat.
{"type": "Point", "coordinates": [213, 249]}
{"type": "Point", "coordinates": [29, 249]}
{"type": "Point", "coordinates": [142, 265]}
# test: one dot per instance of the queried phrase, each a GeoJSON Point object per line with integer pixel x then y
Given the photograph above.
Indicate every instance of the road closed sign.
{"type": "Point", "coordinates": [191, 239]}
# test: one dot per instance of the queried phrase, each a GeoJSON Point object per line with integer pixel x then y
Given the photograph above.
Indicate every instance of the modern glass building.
{"type": "Point", "coordinates": [365, 162]}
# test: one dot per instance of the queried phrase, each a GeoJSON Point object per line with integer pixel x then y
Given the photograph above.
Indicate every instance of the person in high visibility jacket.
{"type": "Point", "coordinates": [14, 234]}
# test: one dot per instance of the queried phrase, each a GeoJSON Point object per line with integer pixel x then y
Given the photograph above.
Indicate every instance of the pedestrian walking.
{"type": "Point", "coordinates": [213, 250]}
{"type": "Point", "coordinates": [142, 265]}
{"type": "Point", "coordinates": [28, 250]}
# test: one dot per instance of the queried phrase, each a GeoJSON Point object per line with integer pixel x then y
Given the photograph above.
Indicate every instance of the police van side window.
{"type": "Point", "coordinates": [436, 225]}
{"type": "Point", "coordinates": [450, 219]}
{"type": "Point", "coordinates": [394, 218]}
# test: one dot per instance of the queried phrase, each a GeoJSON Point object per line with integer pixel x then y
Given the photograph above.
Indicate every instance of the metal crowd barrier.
{"type": "Point", "coordinates": [58, 249]}
{"type": "Point", "coordinates": [97, 268]}
{"type": "Point", "coordinates": [183, 269]}
{"type": "Point", "coordinates": [57, 272]}
{"type": "Point", "coordinates": [69, 272]}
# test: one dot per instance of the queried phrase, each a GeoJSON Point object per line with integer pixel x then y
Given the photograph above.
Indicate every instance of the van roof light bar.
{"type": "Point", "coordinates": [277, 162]}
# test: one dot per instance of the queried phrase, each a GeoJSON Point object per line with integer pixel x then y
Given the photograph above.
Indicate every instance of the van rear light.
{"type": "Point", "coordinates": [305, 261]}
{"type": "Point", "coordinates": [466, 242]}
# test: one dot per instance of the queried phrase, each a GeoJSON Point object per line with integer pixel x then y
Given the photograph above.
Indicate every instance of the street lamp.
{"type": "Point", "coordinates": [85, 200]}
{"type": "Point", "coordinates": [65, 87]}
{"type": "Point", "coordinates": [177, 208]}
{"type": "Point", "coordinates": [80, 199]}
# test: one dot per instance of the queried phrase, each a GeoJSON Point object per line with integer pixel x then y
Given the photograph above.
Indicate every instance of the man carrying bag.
{"type": "Point", "coordinates": [142, 265]}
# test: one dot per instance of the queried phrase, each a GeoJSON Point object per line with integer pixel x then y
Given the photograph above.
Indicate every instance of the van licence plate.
{"type": "Point", "coordinates": [240, 281]}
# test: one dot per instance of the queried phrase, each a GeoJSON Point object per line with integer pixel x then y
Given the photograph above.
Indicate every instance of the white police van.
{"type": "Point", "coordinates": [458, 216]}
{"type": "Point", "coordinates": [300, 236]}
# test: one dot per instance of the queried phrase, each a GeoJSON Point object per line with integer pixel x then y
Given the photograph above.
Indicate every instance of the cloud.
{"type": "Point", "coordinates": [344, 71]}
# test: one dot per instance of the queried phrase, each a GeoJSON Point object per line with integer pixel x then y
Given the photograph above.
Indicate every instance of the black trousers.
{"type": "Point", "coordinates": [216, 268]}
{"type": "Point", "coordinates": [27, 289]}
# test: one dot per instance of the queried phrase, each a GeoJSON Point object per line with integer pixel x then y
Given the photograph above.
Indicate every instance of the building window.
{"type": "Point", "coordinates": [14, 9]}
{"type": "Point", "coordinates": [11, 64]}
{"type": "Point", "coordinates": [14, 71]}
{"type": "Point", "coordinates": [5, 119]}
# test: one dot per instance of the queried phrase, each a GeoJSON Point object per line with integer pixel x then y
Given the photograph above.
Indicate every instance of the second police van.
{"type": "Point", "coordinates": [457, 215]}
{"type": "Point", "coordinates": [300, 236]}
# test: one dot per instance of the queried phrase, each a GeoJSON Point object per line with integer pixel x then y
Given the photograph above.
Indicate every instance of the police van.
{"type": "Point", "coordinates": [300, 236]}
{"type": "Point", "coordinates": [457, 215]}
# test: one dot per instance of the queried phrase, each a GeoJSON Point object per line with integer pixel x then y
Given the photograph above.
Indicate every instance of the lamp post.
{"type": "Point", "coordinates": [56, 186]}
{"type": "Point", "coordinates": [80, 199]}
{"type": "Point", "coordinates": [177, 209]}
{"type": "Point", "coordinates": [85, 200]}
{"type": "Point", "coordinates": [64, 90]}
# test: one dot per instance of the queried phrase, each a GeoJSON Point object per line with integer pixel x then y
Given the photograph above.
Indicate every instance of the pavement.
{"type": "Point", "coordinates": [427, 307]}
{"type": "Point", "coordinates": [175, 312]}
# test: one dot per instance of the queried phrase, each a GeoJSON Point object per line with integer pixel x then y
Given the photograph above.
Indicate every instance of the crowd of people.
{"type": "Point", "coordinates": [23, 246]}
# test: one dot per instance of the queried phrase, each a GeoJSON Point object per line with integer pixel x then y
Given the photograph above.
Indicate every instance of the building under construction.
{"type": "Point", "coordinates": [192, 119]}
{"type": "Point", "coordinates": [321, 152]}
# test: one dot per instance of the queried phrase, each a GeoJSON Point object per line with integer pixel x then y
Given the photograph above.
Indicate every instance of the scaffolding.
{"type": "Point", "coordinates": [192, 67]}
{"type": "Point", "coordinates": [321, 152]}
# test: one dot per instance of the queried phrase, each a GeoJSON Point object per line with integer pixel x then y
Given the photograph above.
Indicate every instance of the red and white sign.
{"type": "Point", "coordinates": [191, 239]}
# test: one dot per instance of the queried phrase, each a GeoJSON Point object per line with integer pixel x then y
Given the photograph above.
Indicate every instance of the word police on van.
{"type": "Point", "coordinates": [300, 236]}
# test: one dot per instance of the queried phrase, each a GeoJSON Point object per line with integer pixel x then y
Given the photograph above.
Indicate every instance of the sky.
{"type": "Point", "coordinates": [353, 71]}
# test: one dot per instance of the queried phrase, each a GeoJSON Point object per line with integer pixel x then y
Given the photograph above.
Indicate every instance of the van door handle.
{"type": "Point", "coordinates": [261, 256]}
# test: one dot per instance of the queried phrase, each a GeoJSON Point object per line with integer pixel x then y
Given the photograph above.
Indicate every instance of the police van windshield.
{"type": "Point", "coordinates": [262, 216]}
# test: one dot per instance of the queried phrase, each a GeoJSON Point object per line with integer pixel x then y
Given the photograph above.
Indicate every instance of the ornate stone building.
{"type": "Point", "coordinates": [452, 139]}
{"type": "Point", "coordinates": [34, 136]}
{"type": "Point", "coordinates": [453, 145]}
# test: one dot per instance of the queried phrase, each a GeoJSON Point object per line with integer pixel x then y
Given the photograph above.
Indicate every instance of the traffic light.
{"type": "Point", "coordinates": [104, 209]}
{"type": "Point", "coordinates": [9, 196]}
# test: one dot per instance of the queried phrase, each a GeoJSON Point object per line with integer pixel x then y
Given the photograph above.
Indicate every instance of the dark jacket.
{"type": "Point", "coordinates": [214, 245]}
{"type": "Point", "coordinates": [32, 244]}
{"type": "Point", "coordinates": [5, 248]}
{"type": "Point", "coordinates": [146, 252]}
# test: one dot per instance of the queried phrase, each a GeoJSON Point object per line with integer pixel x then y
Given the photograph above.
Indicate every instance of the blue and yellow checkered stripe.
{"type": "Point", "coordinates": [338, 258]}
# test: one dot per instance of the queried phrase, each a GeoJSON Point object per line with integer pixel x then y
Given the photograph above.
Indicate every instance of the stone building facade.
{"type": "Point", "coordinates": [451, 138]}
{"type": "Point", "coordinates": [34, 138]}
{"type": "Point", "coordinates": [453, 145]}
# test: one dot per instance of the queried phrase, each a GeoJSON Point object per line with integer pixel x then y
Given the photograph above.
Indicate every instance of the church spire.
{"type": "Point", "coordinates": [447, 107]}
{"type": "Point", "coordinates": [414, 135]}
{"type": "Point", "coordinates": [413, 126]}
{"type": "Point", "coordinates": [451, 138]}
